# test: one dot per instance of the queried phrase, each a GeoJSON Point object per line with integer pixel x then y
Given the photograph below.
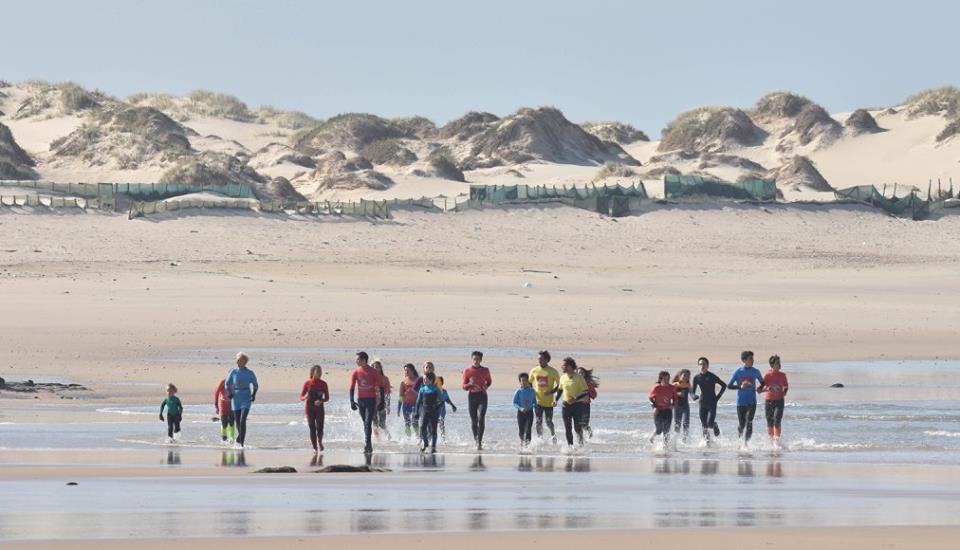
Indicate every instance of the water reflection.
{"type": "Point", "coordinates": [774, 469]}
{"type": "Point", "coordinates": [235, 522]}
{"type": "Point", "coordinates": [671, 466]}
{"type": "Point", "coordinates": [478, 520]}
{"type": "Point", "coordinates": [368, 520]}
{"type": "Point", "coordinates": [477, 464]}
{"type": "Point", "coordinates": [313, 522]}
{"type": "Point", "coordinates": [709, 467]}
{"type": "Point", "coordinates": [172, 458]}
{"type": "Point", "coordinates": [525, 464]}
{"type": "Point", "coordinates": [316, 460]}
{"type": "Point", "coordinates": [545, 464]}
{"type": "Point", "coordinates": [745, 468]}
{"type": "Point", "coordinates": [232, 458]}
{"type": "Point", "coordinates": [578, 464]}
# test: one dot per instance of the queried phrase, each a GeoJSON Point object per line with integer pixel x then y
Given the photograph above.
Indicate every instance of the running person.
{"type": "Point", "coordinates": [314, 394]}
{"type": "Point", "coordinates": [428, 410]}
{"type": "Point", "coordinates": [174, 412]}
{"type": "Point", "coordinates": [383, 408]}
{"type": "Point", "coordinates": [546, 381]}
{"type": "Point", "coordinates": [239, 382]}
{"type": "Point", "coordinates": [707, 382]}
{"type": "Point", "coordinates": [574, 394]}
{"type": "Point", "coordinates": [745, 380]}
{"type": "Point", "coordinates": [221, 404]}
{"type": "Point", "coordinates": [368, 384]}
{"type": "Point", "coordinates": [662, 398]}
{"type": "Point", "coordinates": [407, 400]}
{"type": "Point", "coordinates": [524, 400]}
{"type": "Point", "coordinates": [681, 410]}
{"type": "Point", "coordinates": [444, 399]}
{"type": "Point", "coordinates": [775, 387]}
{"type": "Point", "coordinates": [476, 381]}
{"type": "Point", "coordinates": [592, 383]}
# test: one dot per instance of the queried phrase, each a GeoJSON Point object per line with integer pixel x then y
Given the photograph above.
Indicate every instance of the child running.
{"type": "Point", "coordinates": [428, 407]}
{"type": "Point", "coordinates": [369, 385]}
{"type": "Point", "coordinates": [174, 412]}
{"type": "Point", "coordinates": [314, 394]}
{"type": "Point", "coordinates": [662, 398]}
{"type": "Point", "coordinates": [681, 409]}
{"type": "Point", "coordinates": [745, 380]}
{"type": "Point", "coordinates": [407, 401]}
{"type": "Point", "coordinates": [707, 382]}
{"type": "Point", "coordinates": [592, 384]}
{"type": "Point", "coordinates": [476, 381]}
{"type": "Point", "coordinates": [221, 403]}
{"type": "Point", "coordinates": [545, 380]}
{"type": "Point", "coordinates": [444, 399]}
{"type": "Point", "coordinates": [383, 407]}
{"type": "Point", "coordinates": [775, 387]}
{"type": "Point", "coordinates": [524, 400]}
{"type": "Point", "coordinates": [574, 394]}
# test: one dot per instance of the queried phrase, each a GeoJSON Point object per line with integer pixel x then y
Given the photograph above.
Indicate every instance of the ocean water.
{"type": "Point", "coordinates": [883, 450]}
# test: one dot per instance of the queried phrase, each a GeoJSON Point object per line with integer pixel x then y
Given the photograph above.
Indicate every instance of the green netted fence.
{"type": "Point", "coordinates": [909, 205]}
{"type": "Point", "coordinates": [615, 200]}
{"type": "Point", "coordinates": [362, 208]}
{"type": "Point", "coordinates": [676, 186]}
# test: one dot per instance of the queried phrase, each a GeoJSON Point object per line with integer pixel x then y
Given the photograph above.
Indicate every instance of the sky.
{"type": "Point", "coordinates": [637, 62]}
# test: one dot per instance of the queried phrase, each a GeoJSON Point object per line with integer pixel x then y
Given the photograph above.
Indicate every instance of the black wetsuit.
{"type": "Point", "coordinates": [706, 384]}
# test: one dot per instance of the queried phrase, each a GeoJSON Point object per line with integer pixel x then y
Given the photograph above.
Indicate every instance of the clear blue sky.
{"type": "Point", "coordinates": [640, 62]}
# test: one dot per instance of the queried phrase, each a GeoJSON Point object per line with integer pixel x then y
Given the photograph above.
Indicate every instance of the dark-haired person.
{"type": "Point", "coordinates": [707, 383]}
{"type": "Point", "coordinates": [747, 380]}
{"type": "Point", "coordinates": [383, 409]}
{"type": "Point", "coordinates": [368, 384]}
{"type": "Point", "coordinates": [775, 388]}
{"type": "Point", "coordinates": [663, 396]}
{"type": "Point", "coordinates": [593, 383]}
{"type": "Point", "coordinates": [314, 394]}
{"type": "Point", "coordinates": [407, 400]}
{"type": "Point", "coordinates": [428, 410]}
{"type": "Point", "coordinates": [524, 400]}
{"type": "Point", "coordinates": [545, 380]}
{"type": "Point", "coordinates": [221, 402]}
{"type": "Point", "coordinates": [239, 383]}
{"type": "Point", "coordinates": [574, 394]}
{"type": "Point", "coordinates": [476, 381]}
{"type": "Point", "coordinates": [681, 409]}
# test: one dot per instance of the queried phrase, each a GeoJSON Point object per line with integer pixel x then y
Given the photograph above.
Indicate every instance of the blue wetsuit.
{"type": "Point", "coordinates": [428, 408]}
{"type": "Point", "coordinates": [238, 385]}
{"type": "Point", "coordinates": [525, 401]}
{"type": "Point", "coordinates": [746, 398]}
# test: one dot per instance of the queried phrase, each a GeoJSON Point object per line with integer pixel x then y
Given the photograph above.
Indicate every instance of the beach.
{"type": "Point", "coordinates": [124, 307]}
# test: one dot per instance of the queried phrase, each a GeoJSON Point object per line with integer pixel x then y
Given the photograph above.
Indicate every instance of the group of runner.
{"type": "Point", "coordinates": [671, 399]}
{"type": "Point", "coordinates": [422, 400]}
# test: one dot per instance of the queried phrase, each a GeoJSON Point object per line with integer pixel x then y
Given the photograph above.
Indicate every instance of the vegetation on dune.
{"type": "Point", "coordinates": [62, 98]}
{"type": "Point", "coordinates": [350, 131]}
{"type": "Point", "coordinates": [614, 170]}
{"type": "Point", "coordinates": [952, 129]}
{"type": "Point", "coordinates": [617, 132]}
{"type": "Point", "coordinates": [709, 129]}
{"type": "Point", "coordinates": [937, 101]}
{"type": "Point", "coordinates": [389, 151]}
{"type": "Point", "coordinates": [212, 104]}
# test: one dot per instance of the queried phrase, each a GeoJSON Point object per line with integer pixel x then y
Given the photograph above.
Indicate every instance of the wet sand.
{"type": "Point", "coordinates": [907, 538]}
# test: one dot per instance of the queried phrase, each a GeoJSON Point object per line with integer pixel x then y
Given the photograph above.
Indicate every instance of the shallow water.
{"type": "Point", "coordinates": [881, 451]}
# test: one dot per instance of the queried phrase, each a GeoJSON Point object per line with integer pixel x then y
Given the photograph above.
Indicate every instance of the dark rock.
{"type": "Point", "coordinates": [836, 385]}
{"type": "Point", "coordinates": [277, 470]}
{"type": "Point", "coordinates": [347, 469]}
{"type": "Point", "coordinates": [72, 483]}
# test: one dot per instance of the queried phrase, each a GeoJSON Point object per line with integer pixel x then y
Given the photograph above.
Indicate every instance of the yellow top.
{"type": "Point", "coordinates": [572, 385]}
{"type": "Point", "coordinates": [545, 381]}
